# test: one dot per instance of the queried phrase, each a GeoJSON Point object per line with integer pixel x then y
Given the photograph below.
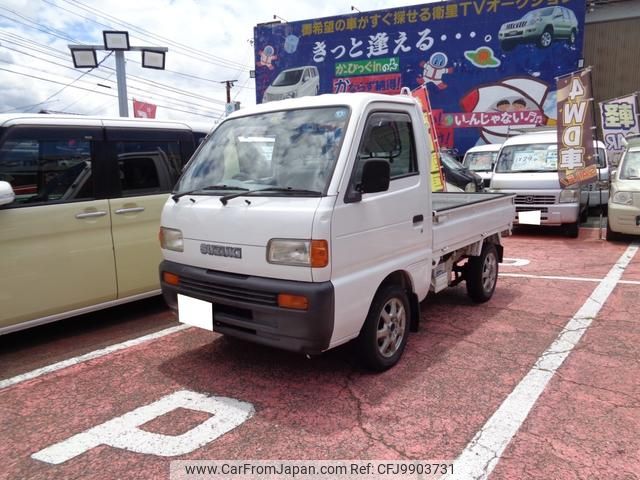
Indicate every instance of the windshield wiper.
{"type": "Point", "coordinates": [286, 190]}
{"type": "Point", "coordinates": [177, 196]}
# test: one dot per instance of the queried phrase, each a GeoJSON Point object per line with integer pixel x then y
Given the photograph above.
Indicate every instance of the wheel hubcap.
{"type": "Point", "coordinates": [489, 272]}
{"type": "Point", "coordinates": [391, 327]}
{"type": "Point", "coordinates": [546, 39]}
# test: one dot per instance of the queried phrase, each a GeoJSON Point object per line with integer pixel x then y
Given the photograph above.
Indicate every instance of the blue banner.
{"type": "Point", "coordinates": [488, 65]}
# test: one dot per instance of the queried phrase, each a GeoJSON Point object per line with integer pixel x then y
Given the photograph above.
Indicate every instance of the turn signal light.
{"type": "Point", "coordinates": [319, 253]}
{"type": "Point", "coordinates": [297, 302]}
{"type": "Point", "coordinates": [171, 278]}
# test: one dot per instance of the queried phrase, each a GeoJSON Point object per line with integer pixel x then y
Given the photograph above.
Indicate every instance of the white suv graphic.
{"type": "Point", "coordinates": [541, 26]}
{"type": "Point", "coordinates": [292, 83]}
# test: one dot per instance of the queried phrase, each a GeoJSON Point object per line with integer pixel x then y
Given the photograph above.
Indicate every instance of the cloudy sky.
{"type": "Point", "coordinates": [209, 41]}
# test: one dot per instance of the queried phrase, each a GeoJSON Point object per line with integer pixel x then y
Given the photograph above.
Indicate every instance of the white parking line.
{"type": "Point", "coordinates": [483, 452]}
{"type": "Point", "coordinates": [572, 279]}
{"type": "Point", "coordinates": [89, 356]}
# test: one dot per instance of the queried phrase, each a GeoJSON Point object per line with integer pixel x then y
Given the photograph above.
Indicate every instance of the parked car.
{"type": "Point", "coordinates": [527, 166]}
{"type": "Point", "coordinates": [459, 175]}
{"type": "Point", "coordinates": [481, 160]}
{"type": "Point", "coordinates": [292, 83]}
{"type": "Point", "coordinates": [541, 26]}
{"type": "Point", "coordinates": [80, 201]}
{"type": "Point", "coordinates": [624, 200]}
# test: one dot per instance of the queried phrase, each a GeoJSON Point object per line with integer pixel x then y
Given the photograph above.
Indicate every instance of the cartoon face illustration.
{"type": "Point", "coordinates": [509, 95]}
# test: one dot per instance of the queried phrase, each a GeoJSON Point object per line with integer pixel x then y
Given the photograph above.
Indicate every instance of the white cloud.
{"type": "Point", "coordinates": [222, 29]}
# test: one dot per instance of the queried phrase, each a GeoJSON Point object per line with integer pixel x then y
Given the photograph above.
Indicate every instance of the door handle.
{"type": "Point", "coordinates": [418, 219]}
{"type": "Point", "coordinates": [129, 210]}
{"type": "Point", "coordinates": [99, 213]}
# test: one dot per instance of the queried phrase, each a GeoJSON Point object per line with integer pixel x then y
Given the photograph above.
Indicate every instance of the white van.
{"type": "Point", "coordinates": [293, 83]}
{"type": "Point", "coordinates": [481, 159]}
{"type": "Point", "coordinates": [624, 203]}
{"type": "Point", "coordinates": [80, 202]}
{"type": "Point", "coordinates": [527, 165]}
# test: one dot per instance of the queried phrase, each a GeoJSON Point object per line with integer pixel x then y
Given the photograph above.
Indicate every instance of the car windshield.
{"type": "Point", "coordinates": [536, 157]}
{"type": "Point", "coordinates": [447, 159]}
{"type": "Point", "coordinates": [630, 166]}
{"type": "Point", "coordinates": [542, 12]}
{"type": "Point", "coordinates": [295, 149]}
{"type": "Point", "coordinates": [287, 78]}
{"type": "Point", "coordinates": [480, 161]}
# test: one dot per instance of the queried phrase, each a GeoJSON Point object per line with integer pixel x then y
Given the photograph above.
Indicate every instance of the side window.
{"type": "Point", "coordinates": [47, 171]}
{"type": "Point", "coordinates": [148, 167]}
{"type": "Point", "coordinates": [389, 136]}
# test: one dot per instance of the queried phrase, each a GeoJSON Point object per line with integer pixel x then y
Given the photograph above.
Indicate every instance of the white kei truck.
{"type": "Point", "coordinates": [305, 223]}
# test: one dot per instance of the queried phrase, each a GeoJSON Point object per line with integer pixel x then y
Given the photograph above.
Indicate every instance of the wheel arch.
{"type": "Point", "coordinates": [402, 278]}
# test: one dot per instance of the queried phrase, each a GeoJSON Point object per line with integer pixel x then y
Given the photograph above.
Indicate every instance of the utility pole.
{"type": "Point", "coordinates": [229, 107]}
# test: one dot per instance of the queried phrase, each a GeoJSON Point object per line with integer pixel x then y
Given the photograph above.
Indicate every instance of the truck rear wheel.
{"type": "Point", "coordinates": [482, 274]}
{"type": "Point", "coordinates": [386, 329]}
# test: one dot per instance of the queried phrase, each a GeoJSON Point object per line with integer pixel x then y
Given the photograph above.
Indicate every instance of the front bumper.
{"type": "Point", "coordinates": [524, 34]}
{"type": "Point", "coordinates": [246, 307]}
{"type": "Point", "coordinates": [556, 214]}
{"type": "Point", "coordinates": [624, 218]}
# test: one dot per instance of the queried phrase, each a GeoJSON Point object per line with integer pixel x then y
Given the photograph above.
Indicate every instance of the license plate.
{"type": "Point", "coordinates": [194, 312]}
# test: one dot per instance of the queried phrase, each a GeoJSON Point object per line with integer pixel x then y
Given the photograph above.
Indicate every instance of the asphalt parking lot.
{"type": "Point", "coordinates": [540, 382]}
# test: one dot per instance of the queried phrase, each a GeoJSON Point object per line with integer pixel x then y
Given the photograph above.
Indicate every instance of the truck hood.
{"type": "Point", "coordinates": [241, 227]}
{"type": "Point", "coordinates": [526, 181]}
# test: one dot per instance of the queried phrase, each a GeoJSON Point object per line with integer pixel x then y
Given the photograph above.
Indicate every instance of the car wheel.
{"type": "Point", "coordinates": [546, 38]}
{"type": "Point", "coordinates": [482, 274]}
{"type": "Point", "coordinates": [611, 235]}
{"type": "Point", "coordinates": [573, 229]}
{"type": "Point", "coordinates": [572, 37]}
{"type": "Point", "coordinates": [386, 329]}
{"type": "Point", "coordinates": [507, 45]}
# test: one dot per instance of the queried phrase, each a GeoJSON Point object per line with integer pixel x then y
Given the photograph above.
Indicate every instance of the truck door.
{"type": "Point", "coordinates": [147, 165]}
{"type": "Point", "coordinates": [372, 236]}
{"type": "Point", "coordinates": [55, 238]}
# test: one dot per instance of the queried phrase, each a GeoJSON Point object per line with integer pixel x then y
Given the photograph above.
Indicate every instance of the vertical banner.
{"type": "Point", "coordinates": [437, 179]}
{"type": "Point", "coordinates": [576, 156]}
{"type": "Point", "coordinates": [144, 110]}
{"type": "Point", "coordinates": [619, 118]}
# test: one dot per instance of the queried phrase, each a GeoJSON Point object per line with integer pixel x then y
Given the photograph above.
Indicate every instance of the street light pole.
{"type": "Point", "coordinates": [84, 56]}
{"type": "Point", "coordinates": [121, 77]}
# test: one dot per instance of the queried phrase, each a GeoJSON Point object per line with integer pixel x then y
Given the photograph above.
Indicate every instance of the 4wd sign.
{"type": "Point", "coordinates": [486, 65]}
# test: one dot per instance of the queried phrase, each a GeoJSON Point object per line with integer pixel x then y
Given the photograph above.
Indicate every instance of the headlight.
{"type": "Point", "coordinates": [290, 95]}
{"type": "Point", "coordinates": [171, 239]}
{"type": "Point", "coordinates": [470, 187]}
{"type": "Point", "coordinates": [570, 195]}
{"type": "Point", "coordinates": [623, 198]}
{"type": "Point", "coordinates": [298, 253]}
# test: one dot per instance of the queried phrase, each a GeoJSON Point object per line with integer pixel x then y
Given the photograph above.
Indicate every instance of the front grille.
{"type": "Point", "coordinates": [531, 209]}
{"type": "Point", "coordinates": [517, 24]}
{"type": "Point", "coordinates": [223, 292]}
{"type": "Point", "coordinates": [535, 199]}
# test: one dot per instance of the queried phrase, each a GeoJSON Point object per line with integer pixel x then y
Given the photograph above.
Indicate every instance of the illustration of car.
{"type": "Point", "coordinates": [541, 26]}
{"type": "Point", "coordinates": [292, 83]}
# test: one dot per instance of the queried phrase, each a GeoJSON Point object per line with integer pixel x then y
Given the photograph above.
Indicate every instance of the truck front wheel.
{"type": "Point", "coordinates": [482, 274]}
{"type": "Point", "coordinates": [385, 331]}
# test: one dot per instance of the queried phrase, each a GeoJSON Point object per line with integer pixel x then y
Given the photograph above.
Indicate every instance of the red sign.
{"type": "Point", "coordinates": [144, 110]}
{"type": "Point", "coordinates": [389, 83]}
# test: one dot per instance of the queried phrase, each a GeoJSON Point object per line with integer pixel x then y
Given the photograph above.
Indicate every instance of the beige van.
{"type": "Point", "coordinates": [80, 202]}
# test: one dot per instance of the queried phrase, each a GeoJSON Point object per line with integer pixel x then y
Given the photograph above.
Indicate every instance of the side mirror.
{"type": "Point", "coordinates": [612, 173]}
{"type": "Point", "coordinates": [376, 175]}
{"type": "Point", "coordinates": [6, 193]}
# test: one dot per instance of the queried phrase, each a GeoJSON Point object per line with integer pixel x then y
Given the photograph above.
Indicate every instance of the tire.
{"type": "Point", "coordinates": [572, 229]}
{"type": "Point", "coordinates": [482, 274]}
{"type": "Point", "coordinates": [584, 215]}
{"type": "Point", "coordinates": [386, 329]}
{"type": "Point", "coordinates": [507, 45]}
{"type": "Point", "coordinates": [611, 235]}
{"type": "Point", "coordinates": [546, 38]}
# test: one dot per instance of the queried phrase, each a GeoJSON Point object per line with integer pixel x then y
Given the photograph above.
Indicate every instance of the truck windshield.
{"type": "Point", "coordinates": [480, 161]}
{"type": "Point", "coordinates": [287, 78]}
{"type": "Point", "coordinates": [630, 167]}
{"type": "Point", "coordinates": [537, 157]}
{"type": "Point", "coordinates": [295, 149]}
